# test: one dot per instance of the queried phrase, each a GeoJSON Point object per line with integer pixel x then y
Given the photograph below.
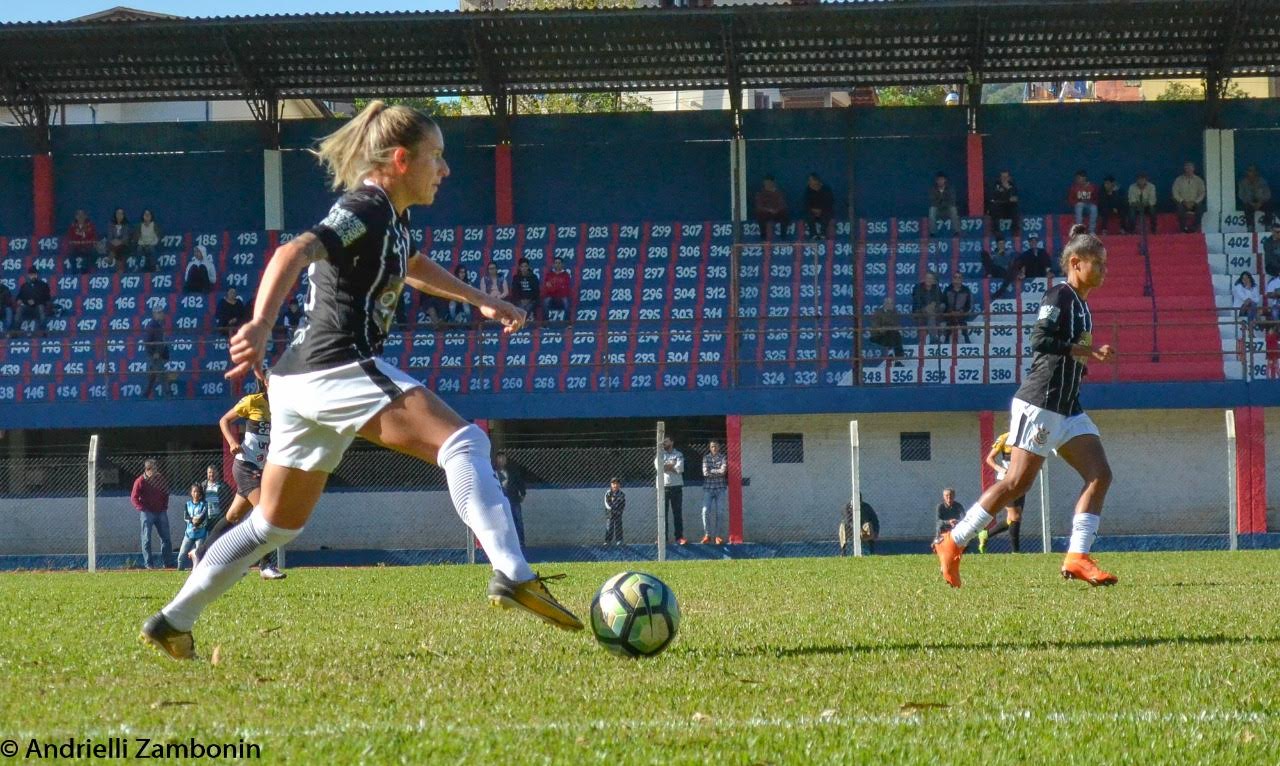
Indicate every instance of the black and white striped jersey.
{"type": "Point", "coordinates": [1054, 381]}
{"type": "Point", "coordinates": [353, 292]}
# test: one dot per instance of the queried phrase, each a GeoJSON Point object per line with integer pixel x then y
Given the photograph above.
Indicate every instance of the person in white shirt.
{"type": "Point", "coordinates": [1142, 202]}
{"type": "Point", "coordinates": [201, 275]}
{"type": "Point", "coordinates": [492, 283]}
{"type": "Point", "coordinates": [672, 466]}
{"type": "Point", "coordinates": [1246, 298]}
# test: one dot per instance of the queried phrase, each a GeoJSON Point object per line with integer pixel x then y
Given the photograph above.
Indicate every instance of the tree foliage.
{"type": "Point", "coordinates": [1178, 90]}
{"type": "Point", "coordinates": [912, 95]}
{"type": "Point", "coordinates": [433, 106]}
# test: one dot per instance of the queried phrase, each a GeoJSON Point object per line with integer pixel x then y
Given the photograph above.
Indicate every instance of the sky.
{"type": "Point", "coordinates": [61, 10]}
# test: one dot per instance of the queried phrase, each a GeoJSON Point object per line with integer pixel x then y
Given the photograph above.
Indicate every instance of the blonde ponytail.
{"type": "Point", "coordinates": [364, 144]}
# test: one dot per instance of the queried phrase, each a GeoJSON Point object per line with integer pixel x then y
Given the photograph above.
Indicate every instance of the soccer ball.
{"type": "Point", "coordinates": [634, 615]}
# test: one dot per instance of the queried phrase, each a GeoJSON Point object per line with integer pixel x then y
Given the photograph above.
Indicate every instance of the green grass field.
{"type": "Point", "coordinates": [781, 661]}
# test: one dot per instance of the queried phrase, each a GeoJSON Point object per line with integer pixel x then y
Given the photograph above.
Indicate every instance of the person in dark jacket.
{"type": "Point", "coordinates": [927, 304]}
{"type": "Point", "coordinates": [34, 300]}
{"type": "Point", "coordinates": [509, 476]}
{"type": "Point", "coordinates": [819, 207]}
{"type": "Point", "coordinates": [869, 528]}
{"type": "Point", "coordinates": [1113, 202]}
{"type": "Point", "coordinates": [230, 313]}
{"type": "Point", "coordinates": [6, 308]}
{"type": "Point", "coordinates": [525, 288]}
{"type": "Point", "coordinates": [1003, 206]}
{"type": "Point", "coordinates": [1035, 262]}
{"type": "Point", "coordinates": [958, 307]}
{"type": "Point", "coordinates": [157, 348]}
{"type": "Point", "coordinates": [150, 496]}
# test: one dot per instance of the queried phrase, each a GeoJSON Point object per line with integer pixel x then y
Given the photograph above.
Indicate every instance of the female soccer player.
{"type": "Point", "coordinates": [998, 459]}
{"type": "Point", "coordinates": [1046, 416]}
{"type": "Point", "coordinates": [331, 384]}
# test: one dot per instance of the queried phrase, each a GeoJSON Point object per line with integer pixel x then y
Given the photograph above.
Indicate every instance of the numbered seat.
{"type": "Point", "coordinates": [583, 348]}
{"type": "Point", "coordinates": [486, 353]}
{"type": "Point", "coordinates": [779, 284]}
{"type": "Point", "coordinates": [715, 288]}
{"type": "Point", "coordinates": [675, 368]}
{"type": "Point", "coordinates": [751, 260]}
{"type": "Point", "coordinates": [968, 371]}
{"type": "Point", "coordinates": [776, 362]}
{"type": "Point", "coordinates": [836, 362]}
{"type": "Point", "coordinates": [875, 228]}
{"type": "Point", "coordinates": [643, 361]}
{"type": "Point", "coordinates": [711, 360]}
{"type": "Point", "coordinates": [423, 345]}
{"type": "Point", "coordinates": [441, 242]}
{"type": "Point", "coordinates": [393, 349]}
{"type": "Point", "coordinates": [689, 277]}
{"type": "Point", "coordinates": [550, 360]}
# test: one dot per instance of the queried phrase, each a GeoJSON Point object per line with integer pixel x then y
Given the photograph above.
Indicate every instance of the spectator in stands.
{"type": "Point", "coordinates": [216, 494]}
{"type": "Point", "coordinates": [1034, 263]}
{"type": "Point", "coordinates": [157, 348]}
{"type": "Point", "coordinates": [82, 241]}
{"type": "Point", "coordinates": [494, 284]}
{"type": "Point", "coordinates": [1142, 203]}
{"type": "Point", "coordinates": [1271, 251]}
{"type": "Point", "coordinates": [615, 503]}
{"type": "Point", "coordinates": [870, 527]}
{"type": "Point", "coordinates": [196, 514]}
{"type": "Point", "coordinates": [1082, 198]}
{"type": "Point", "coordinates": [771, 207]}
{"type": "Point", "coordinates": [119, 239]}
{"type": "Point", "coordinates": [35, 301]}
{"type": "Point", "coordinates": [958, 307]}
{"type": "Point", "coordinates": [146, 238]}
{"type": "Point", "coordinates": [230, 313]}
{"type": "Point", "coordinates": [886, 330]}
{"type": "Point", "coordinates": [460, 311]}
{"type": "Point", "coordinates": [1272, 294]}
{"type": "Point", "coordinates": [927, 304]}
{"type": "Point", "coordinates": [150, 496]}
{"type": "Point", "coordinates": [948, 511]}
{"type": "Point", "coordinates": [819, 205]}
{"type": "Point", "coordinates": [1003, 205]}
{"type": "Point", "coordinates": [1273, 350]}
{"type": "Point", "coordinates": [1255, 197]}
{"type": "Point", "coordinates": [512, 480]}
{"type": "Point", "coordinates": [1112, 203]}
{"type": "Point", "coordinates": [1246, 298]}
{"type": "Point", "coordinates": [715, 469]}
{"type": "Point", "coordinates": [201, 274]}
{"type": "Point", "coordinates": [1000, 264]}
{"type": "Point", "coordinates": [942, 204]}
{"type": "Point", "coordinates": [557, 288]}
{"type": "Point", "coordinates": [6, 309]}
{"type": "Point", "coordinates": [525, 288]}
{"type": "Point", "coordinates": [1188, 198]}
{"type": "Point", "coordinates": [288, 321]}
{"type": "Point", "coordinates": [672, 467]}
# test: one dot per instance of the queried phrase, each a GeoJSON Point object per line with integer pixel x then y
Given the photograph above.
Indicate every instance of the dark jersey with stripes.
{"type": "Point", "coordinates": [353, 292]}
{"type": "Point", "coordinates": [1054, 381]}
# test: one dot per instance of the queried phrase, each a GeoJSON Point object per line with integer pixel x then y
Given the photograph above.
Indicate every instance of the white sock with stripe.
{"type": "Point", "coordinates": [1084, 530]}
{"type": "Point", "coordinates": [975, 519]}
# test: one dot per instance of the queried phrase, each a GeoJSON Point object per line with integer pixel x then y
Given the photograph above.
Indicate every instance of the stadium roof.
{"type": "Point", "coordinates": [836, 45]}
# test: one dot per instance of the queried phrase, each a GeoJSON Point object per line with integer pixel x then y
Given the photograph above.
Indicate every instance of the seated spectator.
{"type": "Point", "coordinates": [819, 205]}
{"type": "Point", "coordinates": [948, 512]}
{"type": "Point", "coordinates": [524, 288]}
{"type": "Point", "coordinates": [434, 310]}
{"type": "Point", "coordinates": [1082, 198]}
{"type": "Point", "coordinates": [1188, 198]}
{"type": "Point", "coordinates": [557, 287]}
{"type": "Point", "coordinates": [119, 239]}
{"type": "Point", "coordinates": [6, 308]}
{"type": "Point", "coordinates": [34, 300]}
{"type": "Point", "coordinates": [1142, 203]}
{"type": "Point", "coordinates": [82, 240]}
{"type": "Point", "coordinates": [1273, 350]}
{"type": "Point", "coordinates": [1113, 203]}
{"type": "Point", "coordinates": [146, 238]}
{"type": "Point", "coordinates": [1003, 206]}
{"type": "Point", "coordinates": [1034, 263]}
{"type": "Point", "coordinates": [1001, 264]}
{"type": "Point", "coordinates": [493, 284]}
{"type": "Point", "coordinates": [927, 303]}
{"type": "Point", "coordinates": [230, 313]}
{"type": "Point", "coordinates": [1246, 298]}
{"type": "Point", "coordinates": [201, 274]}
{"type": "Point", "coordinates": [287, 323]}
{"type": "Point", "coordinates": [460, 311]}
{"type": "Point", "coordinates": [1255, 197]}
{"type": "Point", "coordinates": [157, 348]}
{"type": "Point", "coordinates": [771, 207]}
{"type": "Point", "coordinates": [1272, 296]}
{"type": "Point", "coordinates": [942, 204]}
{"type": "Point", "coordinates": [958, 300]}
{"type": "Point", "coordinates": [869, 527]}
{"type": "Point", "coordinates": [1271, 251]}
{"type": "Point", "coordinates": [886, 330]}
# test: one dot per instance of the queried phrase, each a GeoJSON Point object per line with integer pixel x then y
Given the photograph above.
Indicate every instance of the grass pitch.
{"type": "Point", "coordinates": [782, 661]}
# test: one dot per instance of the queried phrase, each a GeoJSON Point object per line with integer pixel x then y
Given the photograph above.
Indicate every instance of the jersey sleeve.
{"type": "Point", "coordinates": [353, 218]}
{"type": "Point", "coordinates": [244, 407]}
{"type": "Point", "coordinates": [1052, 331]}
{"type": "Point", "coordinates": [1001, 440]}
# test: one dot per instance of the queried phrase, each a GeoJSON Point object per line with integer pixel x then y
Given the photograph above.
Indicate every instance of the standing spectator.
{"type": "Point", "coordinates": [869, 527]}
{"type": "Point", "coordinates": [715, 467]}
{"type": "Point", "coordinates": [672, 467]}
{"type": "Point", "coordinates": [948, 511]}
{"type": "Point", "coordinates": [1000, 264]}
{"type": "Point", "coordinates": [119, 239]}
{"type": "Point", "coordinates": [509, 476]}
{"type": "Point", "coordinates": [927, 302]}
{"type": "Point", "coordinates": [230, 313]}
{"type": "Point", "coordinates": [196, 515]}
{"type": "Point", "coordinates": [1255, 197]}
{"type": "Point", "coordinates": [524, 288]}
{"type": "Point", "coordinates": [942, 203]}
{"type": "Point", "coordinates": [157, 349]}
{"type": "Point", "coordinates": [460, 311]}
{"type": "Point", "coordinates": [201, 275]}
{"type": "Point", "coordinates": [771, 207]}
{"type": "Point", "coordinates": [1142, 203]}
{"type": "Point", "coordinates": [1188, 198]}
{"type": "Point", "coordinates": [82, 240]}
{"type": "Point", "coordinates": [1034, 263]}
{"type": "Point", "coordinates": [886, 330]}
{"type": "Point", "coordinates": [1003, 206]}
{"type": "Point", "coordinates": [34, 300]}
{"type": "Point", "coordinates": [1271, 251]}
{"type": "Point", "coordinates": [146, 239]}
{"type": "Point", "coordinates": [958, 307]}
{"type": "Point", "coordinates": [556, 290]}
{"type": "Point", "coordinates": [1082, 198]}
{"type": "Point", "coordinates": [1246, 298]}
{"type": "Point", "coordinates": [216, 494]}
{"type": "Point", "coordinates": [6, 309]}
{"type": "Point", "coordinates": [1113, 203]}
{"type": "Point", "coordinates": [615, 502]}
{"type": "Point", "coordinates": [493, 284]}
{"type": "Point", "coordinates": [819, 205]}
{"type": "Point", "coordinates": [150, 496]}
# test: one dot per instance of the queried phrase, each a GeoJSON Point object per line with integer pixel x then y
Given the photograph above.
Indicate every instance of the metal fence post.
{"type": "Point", "coordinates": [660, 490]}
{"type": "Point", "coordinates": [92, 505]}
{"type": "Point", "coordinates": [1233, 531]}
{"type": "Point", "coordinates": [1046, 537]}
{"type": "Point", "coordinates": [855, 487]}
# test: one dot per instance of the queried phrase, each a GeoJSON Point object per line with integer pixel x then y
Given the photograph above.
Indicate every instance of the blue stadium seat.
{"type": "Point", "coordinates": [674, 371]}
{"type": "Point", "coordinates": [711, 360]}
{"type": "Point", "coordinates": [581, 370]}
{"type": "Point", "coordinates": [751, 267]}
{"type": "Point", "coordinates": [551, 357]}
{"type": "Point", "coordinates": [642, 370]}
{"type": "Point", "coordinates": [909, 229]}
{"type": "Point", "coordinates": [591, 276]}
{"type": "Point", "coordinates": [517, 355]}
{"type": "Point", "coordinates": [875, 228]}
{"type": "Point", "coordinates": [441, 242]}
{"type": "Point", "coordinates": [779, 279]}
{"type": "Point", "coordinates": [485, 352]}
{"type": "Point", "coordinates": [714, 295]}
{"type": "Point", "coordinates": [617, 359]}
{"type": "Point", "coordinates": [451, 370]}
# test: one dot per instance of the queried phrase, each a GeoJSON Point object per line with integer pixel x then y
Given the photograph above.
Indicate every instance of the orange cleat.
{"type": "Point", "coordinates": [949, 557]}
{"type": "Point", "coordinates": [1078, 566]}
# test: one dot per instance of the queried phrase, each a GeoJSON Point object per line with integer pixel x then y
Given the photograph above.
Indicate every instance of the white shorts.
{"type": "Point", "coordinates": [1036, 430]}
{"type": "Point", "coordinates": [315, 415]}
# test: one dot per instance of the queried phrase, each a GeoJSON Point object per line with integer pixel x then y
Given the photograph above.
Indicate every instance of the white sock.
{"type": "Point", "coordinates": [975, 519]}
{"type": "Point", "coordinates": [478, 499]}
{"type": "Point", "coordinates": [222, 566]}
{"type": "Point", "coordinates": [1084, 528]}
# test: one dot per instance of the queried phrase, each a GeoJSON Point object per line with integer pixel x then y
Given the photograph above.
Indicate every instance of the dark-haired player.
{"type": "Point", "coordinates": [998, 459]}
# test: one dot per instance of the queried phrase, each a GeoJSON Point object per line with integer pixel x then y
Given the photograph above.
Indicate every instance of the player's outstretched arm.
{"type": "Point", "coordinates": [249, 344]}
{"type": "Point", "coordinates": [427, 276]}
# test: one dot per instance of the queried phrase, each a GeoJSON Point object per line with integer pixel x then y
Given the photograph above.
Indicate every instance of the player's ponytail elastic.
{"type": "Point", "coordinates": [365, 143]}
{"type": "Point", "coordinates": [1081, 244]}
